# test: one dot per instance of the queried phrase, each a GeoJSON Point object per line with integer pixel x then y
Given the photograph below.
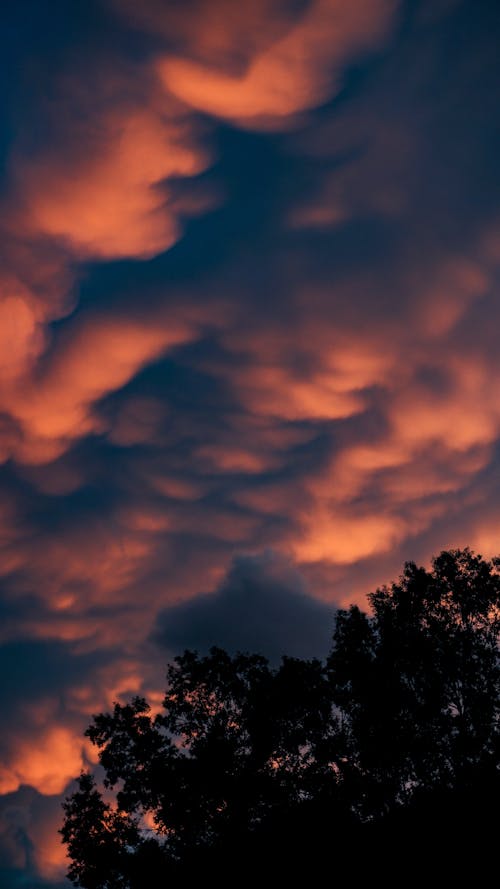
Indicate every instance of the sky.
{"type": "Point", "coordinates": [249, 356]}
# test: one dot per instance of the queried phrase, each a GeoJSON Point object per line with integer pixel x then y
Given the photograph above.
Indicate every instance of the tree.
{"type": "Point", "coordinates": [395, 736]}
{"type": "Point", "coordinates": [98, 838]}
{"type": "Point", "coordinates": [237, 749]}
{"type": "Point", "coordinates": [417, 683]}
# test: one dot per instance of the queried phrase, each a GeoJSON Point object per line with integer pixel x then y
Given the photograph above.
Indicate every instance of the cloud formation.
{"type": "Point", "coordinates": [287, 75]}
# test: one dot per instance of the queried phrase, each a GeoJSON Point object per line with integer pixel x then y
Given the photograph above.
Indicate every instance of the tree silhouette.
{"type": "Point", "coordinates": [397, 734]}
{"type": "Point", "coordinates": [418, 681]}
{"type": "Point", "coordinates": [236, 748]}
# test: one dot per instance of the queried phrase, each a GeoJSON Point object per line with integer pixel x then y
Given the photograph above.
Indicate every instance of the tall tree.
{"type": "Point", "coordinates": [417, 682]}
{"type": "Point", "coordinates": [235, 750]}
{"type": "Point", "coordinates": [395, 738]}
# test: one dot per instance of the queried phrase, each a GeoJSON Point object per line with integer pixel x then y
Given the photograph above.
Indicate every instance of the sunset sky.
{"type": "Point", "coordinates": [249, 341]}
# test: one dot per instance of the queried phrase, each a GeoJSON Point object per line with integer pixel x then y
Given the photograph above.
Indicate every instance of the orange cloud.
{"type": "Point", "coordinates": [100, 356]}
{"type": "Point", "coordinates": [435, 400]}
{"type": "Point", "coordinates": [469, 407]}
{"type": "Point", "coordinates": [21, 337]}
{"type": "Point", "coordinates": [47, 762]}
{"type": "Point", "coordinates": [101, 189]}
{"type": "Point", "coordinates": [296, 72]}
{"type": "Point", "coordinates": [112, 205]}
{"type": "Point", "coordinates": [328, 383]}
{"type": "Point", "coordinates": [34, 290]}
{"type": "Point", "coordinates": [49, 853]}
{"type": "Point", "coordinates": [345, 539]}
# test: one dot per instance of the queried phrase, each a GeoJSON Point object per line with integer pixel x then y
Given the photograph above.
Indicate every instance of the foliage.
{"type": "Point", "coordinates": [402, 720]}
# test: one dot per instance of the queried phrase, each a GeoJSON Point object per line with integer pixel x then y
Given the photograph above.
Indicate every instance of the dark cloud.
{"type": "Point", "coordinates": [262, 605]}
{"type": "Point", "coordinates": [32, 668]}
{"type": "Point", "coordinates": [29, 841]}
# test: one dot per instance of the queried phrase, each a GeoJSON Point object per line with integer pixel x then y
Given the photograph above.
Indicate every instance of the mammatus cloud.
{"type": "Point", "coordinates": [290, 74]}
{"type": "Point", "coordinates": [100, 355]}
{"type": "Point", "coordinates": [105, 184]}
{"type": "Point", "coordinates": [260, 64]}
{"type": "Point", "coordinates": [98, 188]}
{"type": "Point", "coordinates": [111, 198]}
{"type": "Point", "coordinates": [47, 763]}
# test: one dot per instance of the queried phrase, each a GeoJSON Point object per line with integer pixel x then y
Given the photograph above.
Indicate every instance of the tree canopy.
{"type": "Point", "coordinates": [394, 738]}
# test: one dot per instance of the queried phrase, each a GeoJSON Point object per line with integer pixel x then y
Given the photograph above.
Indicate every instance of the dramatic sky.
{"type": "Point", "coordinates": [249, 341]}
